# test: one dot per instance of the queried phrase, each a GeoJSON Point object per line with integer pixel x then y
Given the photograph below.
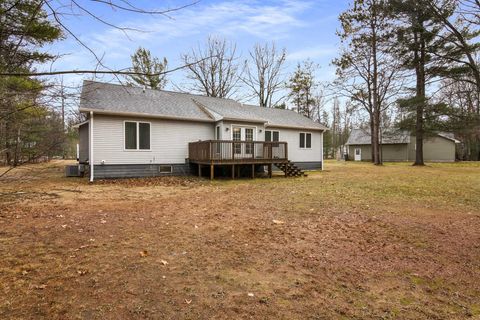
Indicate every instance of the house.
{"type": "Point", "coordinates": [400, 146]}
{"type": "Point", "coordinates": [135, 132]}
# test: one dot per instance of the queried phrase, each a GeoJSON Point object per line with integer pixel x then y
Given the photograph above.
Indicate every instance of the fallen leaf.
{"type": "Point", "coordinates": [40, 287]}
{"type": "Point", "coordinates": [278, 221]}
{"type": "Point", "coordinates": [144, 253]}
{"type": "Point", "coordinates": [251, 294]}
{"type": "Point", "coordinates": [82, 272]}
{"type": "Point", "coordinates": [164, 262]}
{"type": "Point", "coordinates": [188, 301]}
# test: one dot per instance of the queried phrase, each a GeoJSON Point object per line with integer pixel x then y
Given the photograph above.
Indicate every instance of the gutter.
{"type": "Point", "coordinates": [78, 125]}
{"type": "Point", "coordinates": [294, 127]}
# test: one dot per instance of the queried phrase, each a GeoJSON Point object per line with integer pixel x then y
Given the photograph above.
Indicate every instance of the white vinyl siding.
{"type": "Point", "coordinates": [168, 140]}
{"type": "Point", "coordinates": [297, 154]}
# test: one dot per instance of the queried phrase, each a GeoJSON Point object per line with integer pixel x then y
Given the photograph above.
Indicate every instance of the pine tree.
{"type": "Point", "coordinates": [417, 39]}
{"type": "Point", "coordinates": [24, 30]}
{"type": "Point", "coordinates": [302, 85]}
{"type": "Point", "coordinates": [151, 69]}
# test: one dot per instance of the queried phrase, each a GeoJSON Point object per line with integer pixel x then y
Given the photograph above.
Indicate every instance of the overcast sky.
{"type": "Point", "coordinates": [305, 28]}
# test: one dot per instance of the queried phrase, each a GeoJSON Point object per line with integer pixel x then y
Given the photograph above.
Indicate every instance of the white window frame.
{"type": "Point", "coordinates": [305, 140]}
{"type": "Point", "coordinates": [138, 136]}
{"type": "Point", "coordinates": [242, 136]}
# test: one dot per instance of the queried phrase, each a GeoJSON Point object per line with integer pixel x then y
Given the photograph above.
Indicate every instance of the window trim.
{"type": "Point", "coordinates": [305, 141]}
{"type": "Point", "coordinates": [138, 136]}
{"type": "Point", "coordinates": [271, 135]}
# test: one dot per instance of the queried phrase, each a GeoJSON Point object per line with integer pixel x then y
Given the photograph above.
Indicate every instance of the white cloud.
{"type": "Point", "coordinates": [226, 18]}
{"type": "Point", "coordinates": [312, 53]}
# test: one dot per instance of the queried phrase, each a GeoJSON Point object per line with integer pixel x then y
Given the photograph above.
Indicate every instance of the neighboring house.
{"type": "Point", "coordinates": [135, 132]}
{"type": "Point", "coordinates": [400, 146]}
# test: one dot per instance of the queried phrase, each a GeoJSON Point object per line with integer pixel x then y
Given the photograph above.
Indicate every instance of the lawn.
{"type": "Point", "coordinates": [353, 242]}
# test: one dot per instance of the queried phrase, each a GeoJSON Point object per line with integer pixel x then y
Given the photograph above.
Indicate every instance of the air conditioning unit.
{"type": "Point", "coordinates": [73, 171]}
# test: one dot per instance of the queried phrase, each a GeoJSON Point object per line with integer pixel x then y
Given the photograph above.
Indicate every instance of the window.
{"type": "Point", "coordinates": [305, 140]}
{"type": "Point", "coordinates": [237, 136]}
{"type": "Point", "coordinates": [357, 151]}
{"type": "Point", "coordinates": [137, 135]}
{"type": "Point", "coordinates": [144, 135]}
{"type": "Point", "coordinates": [276, 135]}
{"type": "Point", "coordinates": [268, 136]}
{"type": "Point", "coordinates": [248, 137]}
{"type": "Point", "coordinates": [165, 169]}
{"type": "Point", "coordinates": [272, 136]}
{"type": "Point", "coordinates": [131, 135]}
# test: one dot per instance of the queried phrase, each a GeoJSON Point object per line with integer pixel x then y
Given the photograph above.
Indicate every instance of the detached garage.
{"type": "Point", "coordinates": [400, 146]}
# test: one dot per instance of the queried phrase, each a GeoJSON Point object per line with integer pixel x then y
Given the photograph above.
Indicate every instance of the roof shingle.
{"type": "Point", "coordinates": [113, 98]}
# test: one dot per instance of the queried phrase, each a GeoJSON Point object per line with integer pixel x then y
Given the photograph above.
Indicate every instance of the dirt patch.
{"type": "Point", "coordinates": [182, 248]}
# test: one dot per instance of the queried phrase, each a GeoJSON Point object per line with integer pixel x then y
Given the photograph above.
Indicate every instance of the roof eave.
{"type": "Point", "coordinates": [143, 115]}
{"type": "Point", "coordinates": [78, 125]}
{"type": "Point", "coordinates": [271, 125]}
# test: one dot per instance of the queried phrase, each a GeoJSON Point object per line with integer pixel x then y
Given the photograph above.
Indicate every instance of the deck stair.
{"type": "Point", "coordinates": [290, 169]}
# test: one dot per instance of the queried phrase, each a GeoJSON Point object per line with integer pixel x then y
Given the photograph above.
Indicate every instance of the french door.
{"type": "Point", "coordinates": [243, 134]}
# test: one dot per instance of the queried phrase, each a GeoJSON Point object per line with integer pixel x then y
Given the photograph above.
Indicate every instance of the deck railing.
{"type": "Point", "coordinates": [229, 151]}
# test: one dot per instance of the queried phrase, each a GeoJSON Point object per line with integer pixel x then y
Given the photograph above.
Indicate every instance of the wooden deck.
{"type": "Point", "coordinates": [229, 152]}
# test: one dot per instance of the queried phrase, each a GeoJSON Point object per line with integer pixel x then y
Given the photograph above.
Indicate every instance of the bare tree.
{"type": "Point", "coordinates": [263, 74]}
{"type": "Point", "coordinates": [213, 69]}
{"type": "Point", "coordinates": [366, 70]}
{"type": "Point", "coordinates": [59, 11]}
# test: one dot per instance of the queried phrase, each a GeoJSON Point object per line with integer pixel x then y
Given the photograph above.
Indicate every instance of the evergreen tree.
{"type": "Point", "coordinates": [151, 69]}
{"type": "Point", "coordinates": [24, 30]}
{"type": "Point", "coordinates": [417, 39]}
{"type": "Point", "coordinates": [302, 85]}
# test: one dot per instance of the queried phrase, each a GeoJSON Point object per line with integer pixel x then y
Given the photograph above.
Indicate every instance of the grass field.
{"type": "Point", "coordinates": [353, 242]}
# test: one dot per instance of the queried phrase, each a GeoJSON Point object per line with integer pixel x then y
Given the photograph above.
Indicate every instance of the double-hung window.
{"type": "Point", "coordinates": [272, 136]}
{"type": "Point", "coordinates": [137, 135]}
{"type": "Point", "coordinates": [305, 140]}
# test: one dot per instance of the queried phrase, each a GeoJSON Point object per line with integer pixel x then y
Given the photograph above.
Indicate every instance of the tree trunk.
{"type": "Point", "coordinates": [420, 94]}
{"type": "Point", "coordinates": [376, 107]}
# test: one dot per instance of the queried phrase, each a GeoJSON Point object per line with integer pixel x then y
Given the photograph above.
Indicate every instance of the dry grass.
{"type": "Point", "coordinates": [357, 241]}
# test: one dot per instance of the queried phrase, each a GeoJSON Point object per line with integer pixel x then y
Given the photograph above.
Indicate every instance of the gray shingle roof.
{"type": "Point", "coordinates": [362, 136]}
{"type": "Point", "coordinates": [113, 98]}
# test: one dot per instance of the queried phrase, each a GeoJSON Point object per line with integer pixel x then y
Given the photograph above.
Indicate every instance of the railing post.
{"type": "Point", "coordinates": [233, 151]}
{"type": "Point", "coordinates": [286, 150]}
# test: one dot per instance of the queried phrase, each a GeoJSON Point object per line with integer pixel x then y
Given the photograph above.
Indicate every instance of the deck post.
{"type": "Point", "coordinates": [269, 170]}
{"type": "Point", "coordinates": [211, 171]}
{"type": "Point", "coordinates": [199, 170]}
{"type": "Point", "coordinates": [233, 171]}
{"type": "Point", "coordinates": [253, 171]}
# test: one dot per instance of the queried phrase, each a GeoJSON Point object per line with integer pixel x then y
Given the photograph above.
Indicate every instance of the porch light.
{"type": "Point", "coordinates": [226, 129]}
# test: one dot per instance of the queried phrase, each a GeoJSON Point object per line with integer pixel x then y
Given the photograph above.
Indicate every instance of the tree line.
{"type": "Point", "coordinates": [418, 59]}
{"type": "Point", "coordinates": [409, 65]}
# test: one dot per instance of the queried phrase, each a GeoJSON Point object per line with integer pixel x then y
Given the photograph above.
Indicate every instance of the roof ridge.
{"type": "Point", "coordinates": [159, 90]}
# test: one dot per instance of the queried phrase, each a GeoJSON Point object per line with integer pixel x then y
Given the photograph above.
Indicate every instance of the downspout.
{"type": "Point", "coordinates": [91, 146]}
{"type": "Point", "coordinates": [323, 160]}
